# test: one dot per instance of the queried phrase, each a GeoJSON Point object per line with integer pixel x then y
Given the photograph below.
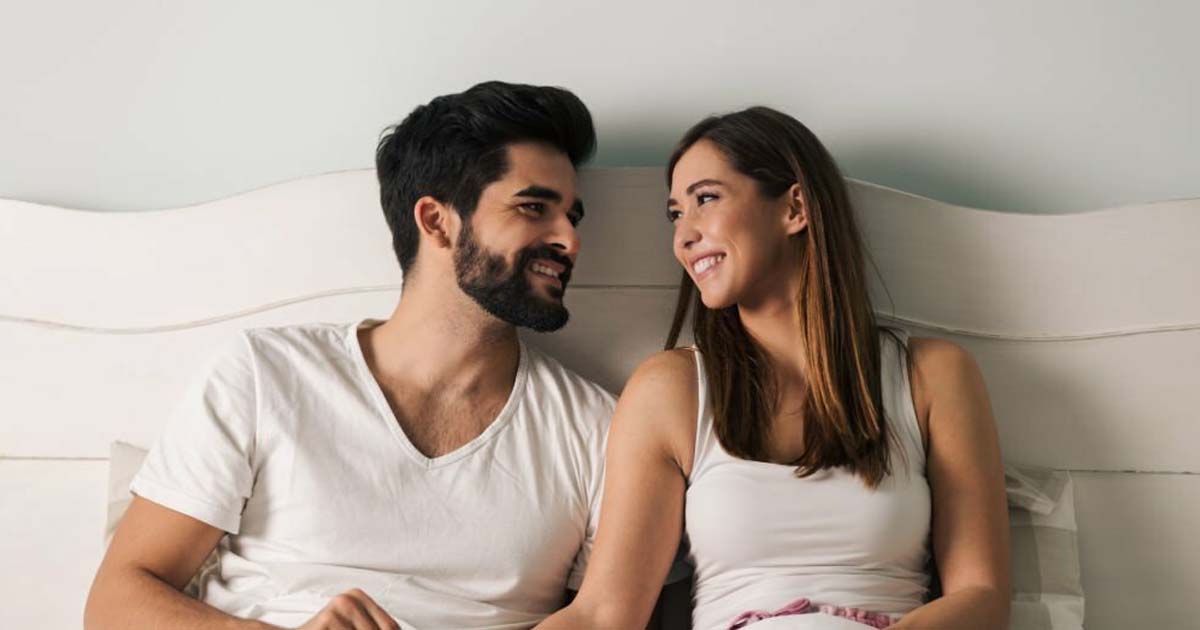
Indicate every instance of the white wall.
{"type": "Point", "coordinates": [1019, 105]}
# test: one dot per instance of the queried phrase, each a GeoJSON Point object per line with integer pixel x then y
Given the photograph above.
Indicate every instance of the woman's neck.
{"type": "Point", "coordinates": [775, 327]}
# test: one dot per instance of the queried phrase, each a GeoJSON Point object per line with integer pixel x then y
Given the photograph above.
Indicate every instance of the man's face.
{"type": "Point", "coordinates": [515, 254]}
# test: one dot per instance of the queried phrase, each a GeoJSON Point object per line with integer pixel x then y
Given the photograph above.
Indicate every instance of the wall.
{"type": "Point", "coordinates": [1021, 106]}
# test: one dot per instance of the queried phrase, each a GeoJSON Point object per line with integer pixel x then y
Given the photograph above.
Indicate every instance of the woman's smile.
{"type": "Point", "coordinates": [706, 265]}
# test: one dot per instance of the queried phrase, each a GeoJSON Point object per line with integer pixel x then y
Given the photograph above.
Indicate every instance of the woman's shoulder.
{"type": "Point", "coordinates": [941, 358]}
{"type": "Point", "coordinates": [942, 373]}
{"type": "Point", "coordinates": [668, 378]}
{"type": "Point", "coordinates": [676, 365]}
{"type": "Point", "coordinates": [660, 401]}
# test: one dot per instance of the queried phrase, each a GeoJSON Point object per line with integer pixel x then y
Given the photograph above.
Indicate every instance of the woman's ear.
{"type": "Point", "coordinates": [796, 219]}
{"type": "Point", "coordinates": [436, 222]}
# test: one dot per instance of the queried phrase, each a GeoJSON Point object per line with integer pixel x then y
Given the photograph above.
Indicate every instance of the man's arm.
{"type": "Point", "coordinates": [153, 555]}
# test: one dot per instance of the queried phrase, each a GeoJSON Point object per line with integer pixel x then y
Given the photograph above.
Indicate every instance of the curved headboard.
{"type": "Point", "coordinates": [1087, 327]}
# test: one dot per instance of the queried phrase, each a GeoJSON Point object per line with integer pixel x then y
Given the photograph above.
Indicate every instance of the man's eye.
{"type": "Point", "coordinates": [534, 207]}
{"type": "Point", "coordinates": [673, 215]}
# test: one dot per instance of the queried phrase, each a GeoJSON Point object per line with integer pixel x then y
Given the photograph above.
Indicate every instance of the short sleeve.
{"type": "Point", "coordinates": [594, 489]}
{"type": "Point", "coordinates": [680, 568]}
{"type": "Point", "coordinates": [202, 465]}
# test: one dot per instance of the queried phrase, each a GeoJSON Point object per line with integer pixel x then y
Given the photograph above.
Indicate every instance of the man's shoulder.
{"type": "Point", "coordinates": [306, 337]}
{"type": "Point", "coordinates": [267, 351]}
{"type": "Point", "coordinates": [298, 332]}
{"type": "Point", "coordinates": [548, 376]}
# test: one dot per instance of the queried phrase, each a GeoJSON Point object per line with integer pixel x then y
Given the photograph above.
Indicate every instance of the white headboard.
{"type": "Point", "coordinates": [1087, 327]}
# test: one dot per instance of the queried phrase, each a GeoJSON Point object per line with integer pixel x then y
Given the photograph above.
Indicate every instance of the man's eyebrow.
{"type": "Point", "coordinates": [549, 194]}
{"type": "Point", "coordinates": [704, 182]}
{"type": "Point", "coordinates": [539, 192]}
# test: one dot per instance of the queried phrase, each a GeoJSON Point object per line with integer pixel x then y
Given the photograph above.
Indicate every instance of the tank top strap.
{"type": "Point", "coordinates": [706, 440]}
{"type": "Point", "coordinates": [897, 395]}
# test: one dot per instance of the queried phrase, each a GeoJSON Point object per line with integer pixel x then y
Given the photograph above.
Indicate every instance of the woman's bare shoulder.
{"type": "Point", "coordinates": [676, 367]}
{"type": "Point", "coordinates": [941, 362]}
{"type": "Point", "coordinates": [944, 374]}
{"type": "Point", "coordinates": [665, 381]}
{"type": "Point", "coordinates": [660, 398]}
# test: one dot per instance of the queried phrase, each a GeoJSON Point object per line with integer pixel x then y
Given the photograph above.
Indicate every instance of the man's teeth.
{"type": "Point", "coordinates": [705, 263]}
{"type": "Point", "coordinates": [544, 270]}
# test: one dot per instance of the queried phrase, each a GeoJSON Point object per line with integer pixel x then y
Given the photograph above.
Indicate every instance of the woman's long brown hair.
{"type": "Point", "coordinates": [844, 424]}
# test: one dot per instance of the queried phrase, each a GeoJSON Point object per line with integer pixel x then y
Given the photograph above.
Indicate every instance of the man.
{"type": "Point", "coordinates": [428, 471]}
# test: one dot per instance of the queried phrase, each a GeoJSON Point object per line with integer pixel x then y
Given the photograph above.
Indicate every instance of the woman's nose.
{"type": "Point", "coordinates": [686, 234]}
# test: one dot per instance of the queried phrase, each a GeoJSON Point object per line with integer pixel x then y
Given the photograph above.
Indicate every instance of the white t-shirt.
{"type": "Point", "coordinates": [290, 446]}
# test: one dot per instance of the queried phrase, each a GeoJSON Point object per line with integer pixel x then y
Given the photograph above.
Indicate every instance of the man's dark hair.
{"type": "Point", "coordinates": [452, 148]}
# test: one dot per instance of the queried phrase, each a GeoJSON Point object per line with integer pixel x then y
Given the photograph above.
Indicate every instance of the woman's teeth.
{"type": "Point", "coordinates": [704, 264]}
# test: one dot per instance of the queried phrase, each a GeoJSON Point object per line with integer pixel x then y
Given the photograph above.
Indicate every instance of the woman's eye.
{"type": "Point", "coordinates": [703, 198]}
{"type": "Point", "coordinates": [673, 215]}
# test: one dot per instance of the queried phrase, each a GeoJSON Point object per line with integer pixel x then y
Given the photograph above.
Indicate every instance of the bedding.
{"type": "Point", "coordinates": [1047, 589]}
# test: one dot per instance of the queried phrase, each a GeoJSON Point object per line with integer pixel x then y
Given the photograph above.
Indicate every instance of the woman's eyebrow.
{"type": "Point", "coordinates": [704, 182]}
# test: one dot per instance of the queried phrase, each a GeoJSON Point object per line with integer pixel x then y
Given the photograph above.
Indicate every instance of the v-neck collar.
{"type": "Point", "coordinates": [389, 417]}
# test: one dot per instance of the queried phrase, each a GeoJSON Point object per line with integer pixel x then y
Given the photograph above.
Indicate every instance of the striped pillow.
{"type": "Point", "coordinates": [1047, 593]}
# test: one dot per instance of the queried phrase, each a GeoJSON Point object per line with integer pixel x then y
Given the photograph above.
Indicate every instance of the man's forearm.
{"type": "Point", "coordinates": [135, 599]}
{"type": "Point", "coordinates": [977, 608]}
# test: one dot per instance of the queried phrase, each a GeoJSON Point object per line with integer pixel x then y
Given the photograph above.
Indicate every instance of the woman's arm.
{"type": "Point", "coordinates": [641, 515]}
{"type": "Point", "coordinates": [966, 478]}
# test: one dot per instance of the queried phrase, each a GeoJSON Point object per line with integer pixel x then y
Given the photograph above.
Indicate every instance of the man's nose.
{"type": "Point", "coordinates": [565, 238]}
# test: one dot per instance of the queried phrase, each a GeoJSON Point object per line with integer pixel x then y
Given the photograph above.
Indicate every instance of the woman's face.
{"type": "Point", "coordinates": [730, 239]}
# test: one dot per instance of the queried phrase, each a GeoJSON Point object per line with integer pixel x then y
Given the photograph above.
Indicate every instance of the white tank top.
{"type": "Point", "coordinates": [761, 537]}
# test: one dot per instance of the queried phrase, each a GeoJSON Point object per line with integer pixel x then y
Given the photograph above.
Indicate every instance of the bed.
{"type": "Point", "coordinates": [1086, 326]}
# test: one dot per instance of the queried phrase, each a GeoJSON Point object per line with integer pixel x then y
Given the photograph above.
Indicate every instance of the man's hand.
{"type": "Point", "coordinates": [352, 610]}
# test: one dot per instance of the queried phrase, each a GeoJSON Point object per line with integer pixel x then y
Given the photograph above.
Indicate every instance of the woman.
{"type": "Point", "coordinates": [813, 456]}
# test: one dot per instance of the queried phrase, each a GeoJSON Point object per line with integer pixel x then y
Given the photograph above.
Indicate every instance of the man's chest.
{"type": "Point", "coordinates": [446, 428]}
{"type": "Point", "coordinates": [505, 513]}
{"type": "Point", "coordinates": [439, 425]}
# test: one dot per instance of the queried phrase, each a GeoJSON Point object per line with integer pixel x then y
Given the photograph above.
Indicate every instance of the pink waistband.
{"type": "Point", "coordinates": [803, 606]}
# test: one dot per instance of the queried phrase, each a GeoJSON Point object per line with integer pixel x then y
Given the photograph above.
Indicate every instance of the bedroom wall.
{"type": "Point", "coordinates": [1021, 106]}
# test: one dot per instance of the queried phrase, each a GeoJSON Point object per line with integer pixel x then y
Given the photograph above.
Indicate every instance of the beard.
{"type": "Point", "coordinates": [504, 291]}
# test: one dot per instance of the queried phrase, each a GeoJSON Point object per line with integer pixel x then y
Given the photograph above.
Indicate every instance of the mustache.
{"type": "Point", "coordinates": [549, 253]}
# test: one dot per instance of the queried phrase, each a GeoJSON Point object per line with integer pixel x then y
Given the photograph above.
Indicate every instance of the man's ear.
{"type": "Point", "coordinates": [436, 222]}
{"type": "Point", "coordinates": [796, 219]}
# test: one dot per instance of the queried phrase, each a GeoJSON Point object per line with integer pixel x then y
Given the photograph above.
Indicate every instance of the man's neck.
{"type": "Point", "coordinates": [441, 342]}
{"type": "Point", "coordinates": [445, 366]}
